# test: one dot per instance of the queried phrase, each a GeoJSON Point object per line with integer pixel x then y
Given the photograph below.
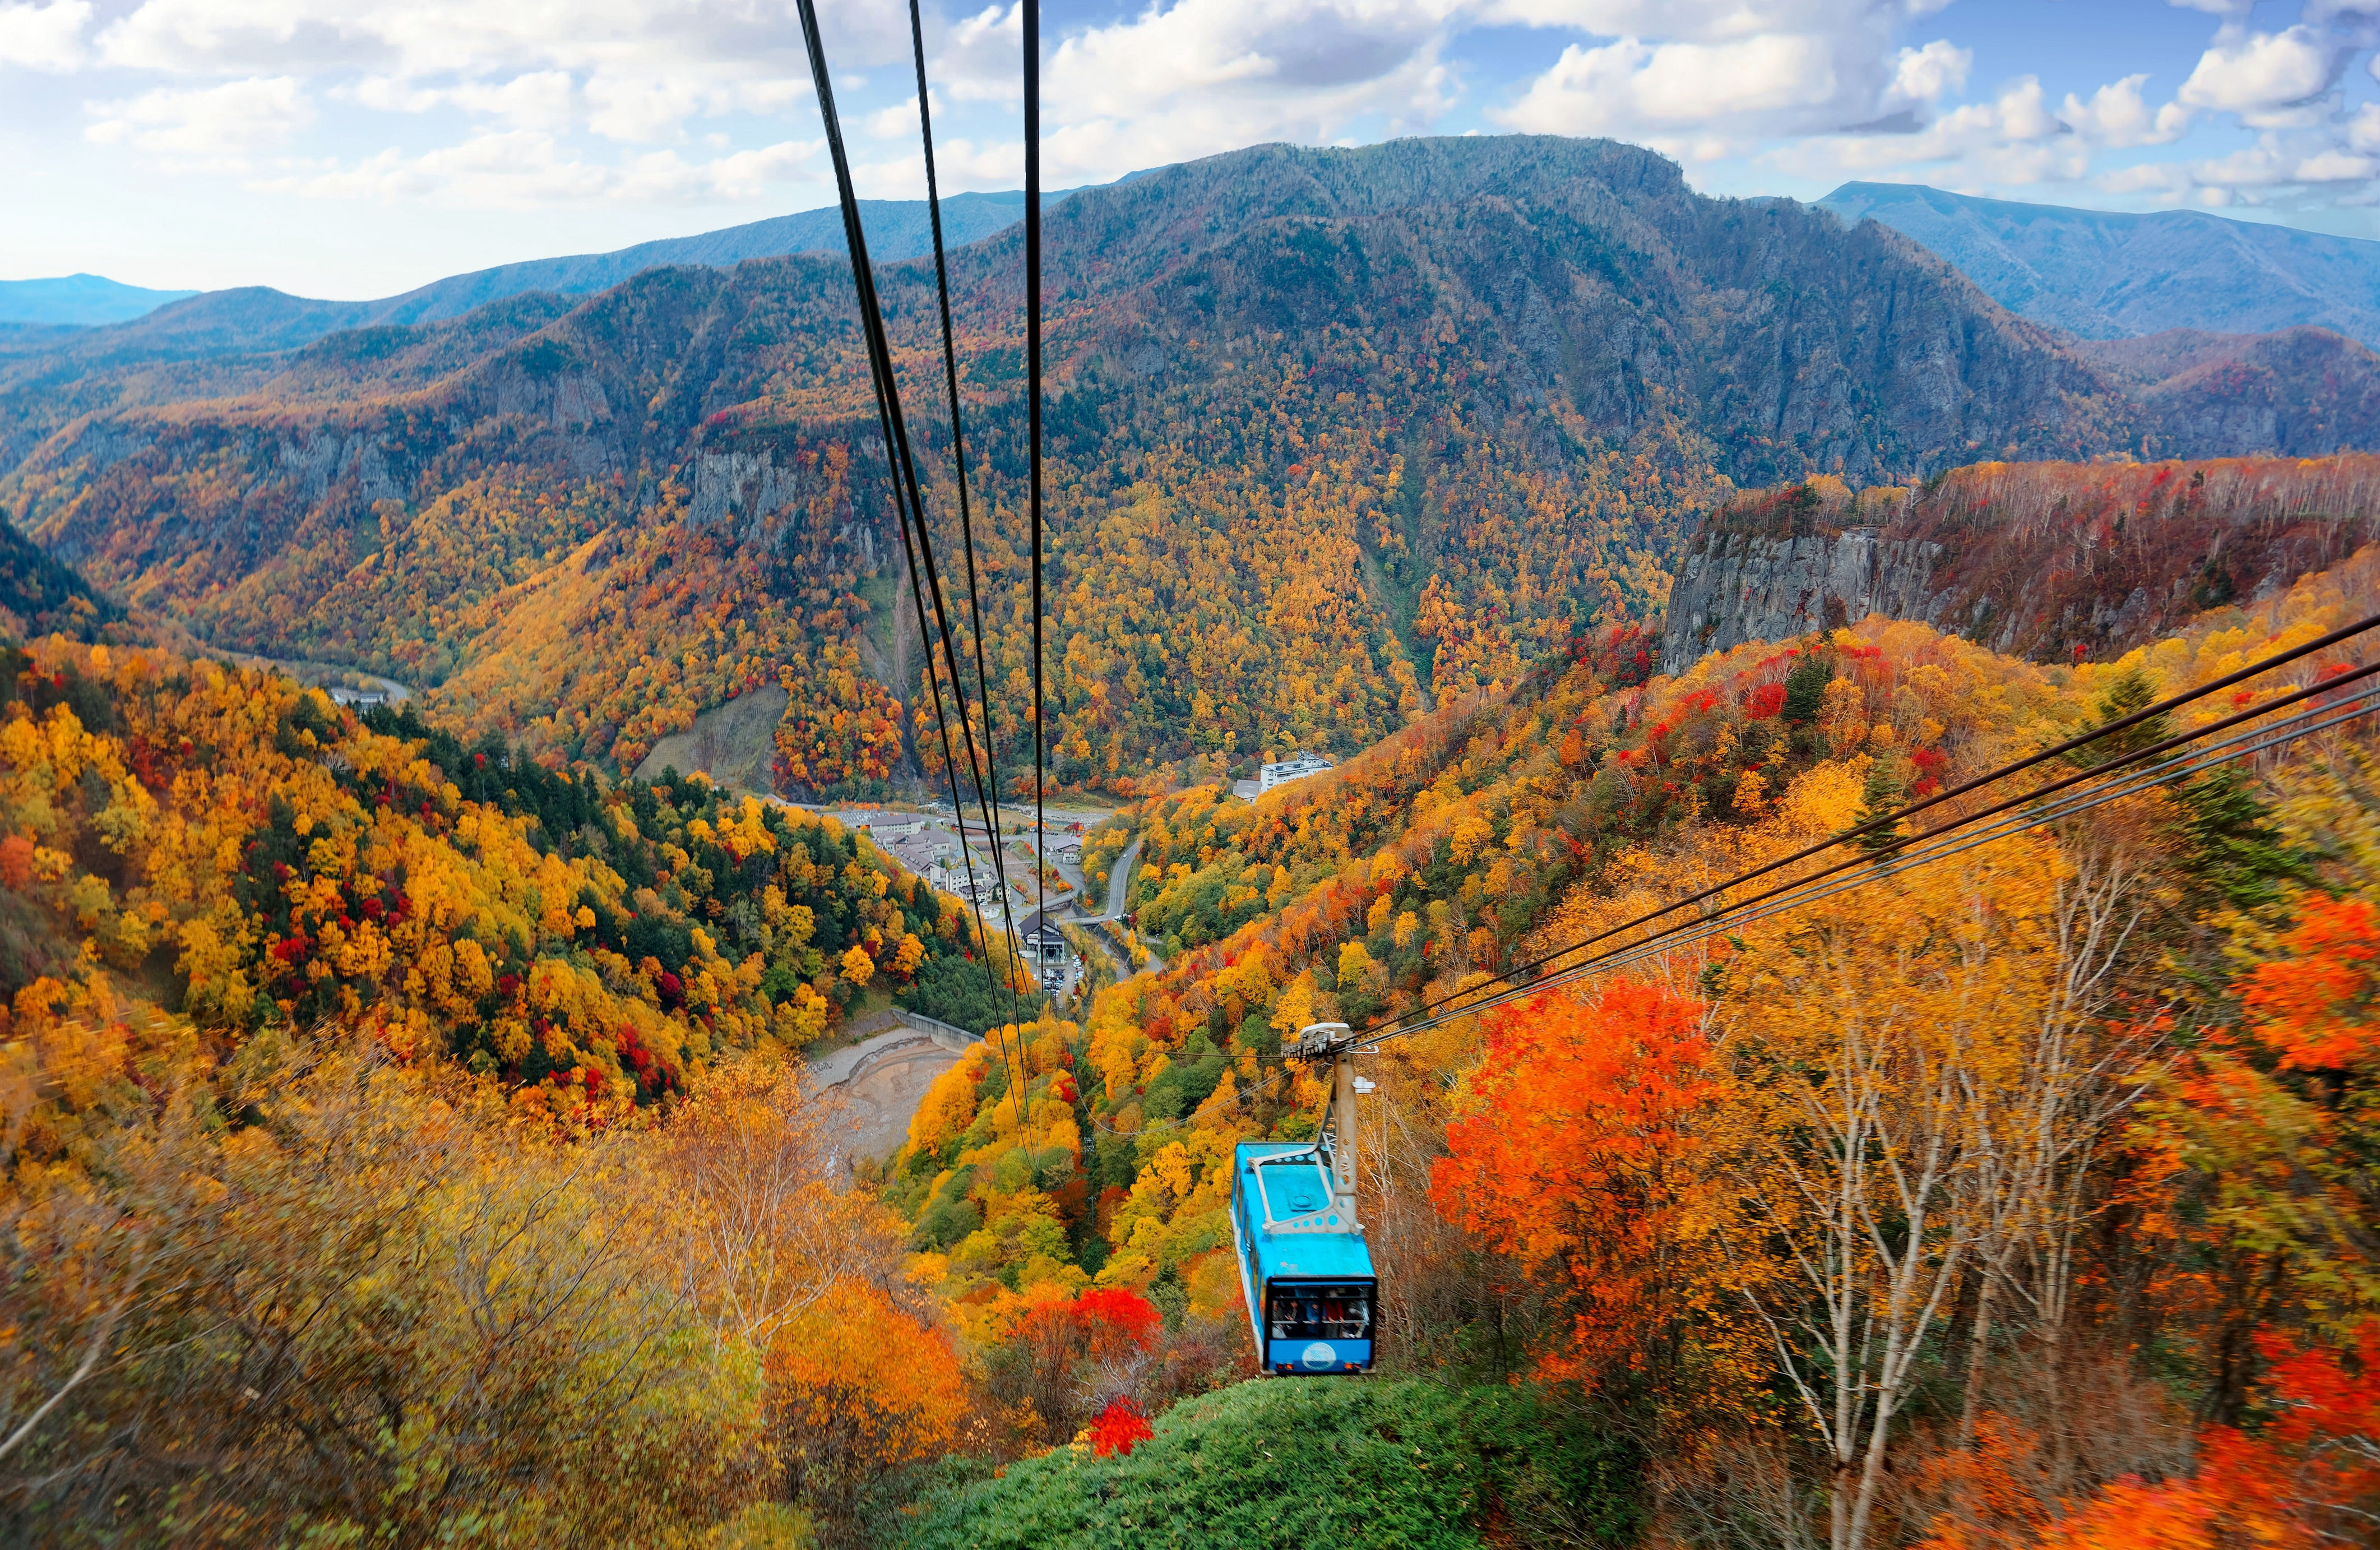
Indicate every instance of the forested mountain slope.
{"type": "Point", "coordinates": [236, 851]}
{"type": "Point", "coordinates": [38, 596]}
{"type": "Point", "coordinates": [354, 1070]}
{"type": "Point", "coordinates": [2300, 392]}
{"type": "Point", "coordinates": [2054, 561]}
{"type": "Point", "coordinates": [1602, 1186]}
{"type": "Point", "coordinates": [2109, 276]}
{"type": "Point", "coordinates": [1332, 430]}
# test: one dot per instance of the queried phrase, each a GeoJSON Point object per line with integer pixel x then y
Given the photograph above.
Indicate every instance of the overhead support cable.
{"type": "Point", "coordinates": [1033, 401]}
{"type": "Point", "coordinates": [987, 782]}
{"type": "Point", "coordinates": [1901, 852]}
{"type": "Point", "coordinates": [2306, 723]}
{"type": "Point", "coordinates": [911, 515]}
{"type": "Point", "coordinates": [1888, 823]}
{"type": "Point", "coordinates": [951, 377]}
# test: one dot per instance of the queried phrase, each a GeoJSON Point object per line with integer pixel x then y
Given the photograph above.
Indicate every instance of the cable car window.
{"type": "Point", "coordinates": [1319, 1312]}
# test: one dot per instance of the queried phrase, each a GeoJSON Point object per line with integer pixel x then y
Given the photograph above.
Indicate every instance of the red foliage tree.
{"type": "Point", "coordinates": [1120, 1428]}
{"type": "Point", "coordinates": [1575, 1157]}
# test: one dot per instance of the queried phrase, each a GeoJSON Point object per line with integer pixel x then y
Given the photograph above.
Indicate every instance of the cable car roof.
{"type": "Point", "coordinates": [1325, 1255]}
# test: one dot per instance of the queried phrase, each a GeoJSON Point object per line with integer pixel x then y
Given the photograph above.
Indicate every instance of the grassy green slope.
{"type": "Point", "coordinates": [1376, 1463]}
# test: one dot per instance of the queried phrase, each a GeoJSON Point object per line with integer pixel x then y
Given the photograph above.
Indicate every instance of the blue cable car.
{"type": "Point", "coordinates": [1304, 1268]}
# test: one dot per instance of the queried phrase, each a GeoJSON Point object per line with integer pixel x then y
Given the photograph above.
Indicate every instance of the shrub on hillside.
{"type": "Point", "coordinates": [1302, 1463]}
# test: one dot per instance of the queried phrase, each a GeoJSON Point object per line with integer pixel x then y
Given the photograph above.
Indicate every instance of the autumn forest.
{"type": "Point", "coordinates": [413, 1104]}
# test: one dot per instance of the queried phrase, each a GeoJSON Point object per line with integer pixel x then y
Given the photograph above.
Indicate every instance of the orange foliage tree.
{"type": "Point", "coordinates": [858, 1386]}
{"type": "Point", "coordinates": [1577, 1153]}
{"type": "Point", "coordinates": [2310, 1477]}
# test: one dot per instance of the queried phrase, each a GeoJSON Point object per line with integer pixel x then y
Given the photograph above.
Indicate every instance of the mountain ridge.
{"type": "Point", "coordinates": [2050, 561]}
{"type": "Point", "coordinates": [261, 318]}
{"type": "Point", "coordinates": [1415, 410]}
{"type": "Point", "coordinates": [2104, 275]}
{"type": "Point", "coordinates": [79, 300]}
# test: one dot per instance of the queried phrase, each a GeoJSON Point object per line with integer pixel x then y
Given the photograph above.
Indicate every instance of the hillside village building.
{"type": "Point", "coordinates": [1047, 949]}
{"type": "Point", "coordinates": [1297, 766]}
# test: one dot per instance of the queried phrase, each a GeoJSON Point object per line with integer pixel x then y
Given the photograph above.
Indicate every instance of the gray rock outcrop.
{"type": "Point", "coordinates": [1737, 587]}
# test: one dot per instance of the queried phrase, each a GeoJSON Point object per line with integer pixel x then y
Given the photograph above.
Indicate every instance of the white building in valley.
{"type": "Point", "coordinates": [1297, 766]}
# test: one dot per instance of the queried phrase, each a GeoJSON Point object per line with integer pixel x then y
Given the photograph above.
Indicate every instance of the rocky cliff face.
{"type": "Point", "coordinates": [2044, 559]}
{"type": "Point", "coordinates": [1733, 586]}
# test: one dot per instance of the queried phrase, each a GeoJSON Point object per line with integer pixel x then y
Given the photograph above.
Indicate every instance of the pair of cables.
{"type": "Point", "coordinates": [2166, 761]}
{"type": "Point", "coordinates": [1884, 850]}
{"type": "Point", "coordinates": [909, 509]}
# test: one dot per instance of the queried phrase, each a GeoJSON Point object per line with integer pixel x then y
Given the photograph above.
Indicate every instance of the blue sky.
{"type": "Point", "coordinates": [351, 147]}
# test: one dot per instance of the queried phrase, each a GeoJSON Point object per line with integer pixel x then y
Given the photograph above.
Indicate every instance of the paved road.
{"type": "Point", "coordinates": [304, 672]}
{"type": "Point", "coordinates": [1119, 883]}
{"type": "Point", "coordinates": [1120, 878]}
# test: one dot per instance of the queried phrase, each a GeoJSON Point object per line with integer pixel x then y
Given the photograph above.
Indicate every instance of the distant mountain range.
{"type": "Point", "coordinates": [79, 301]}
{"type": "Point", "coordinates": [2111, 276]}
{"type": "Point", "coordinates": [2089, 272]}
{"type": "Point", "coordinates": [1408, 409]}
{"type": "Point", "coordinates": [897, 228]}
{"type": "Point", "coordinates": [256, 317]}
{"type": "Point", "coordinates": [1412, 410]}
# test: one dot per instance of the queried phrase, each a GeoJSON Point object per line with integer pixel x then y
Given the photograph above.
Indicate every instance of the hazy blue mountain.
{"type": "Point", "coordinates": [251, 318]}
{"type": "Point", "coordinates": [79, 299]}
{"type": "Point", "coordinates": [897, 228]}
{"type": "Point", "coordinates": [2110, 276]}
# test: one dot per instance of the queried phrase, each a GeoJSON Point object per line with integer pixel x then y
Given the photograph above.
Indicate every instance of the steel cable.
{"type": "Point", "coordinates": [904, 481]}
{"type": "Point", "coordinates": [1032, 20]}
{"type": "Point", "coordinates": [958, 429]}
{"type": "Point", "coordinates": [1893, 820]}
{"type": "Point", "coordinates": [1827, 885]}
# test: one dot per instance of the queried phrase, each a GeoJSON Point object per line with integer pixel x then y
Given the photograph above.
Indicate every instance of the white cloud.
{"type": "Point", "coordinates": [2255, 74]}
{"type": "Point", "coordinates": [2118, 115]}
{"type": "Point", "coordinates": [541, 100]}
{"type": "Point", "coordinates": [1706, 21]}
{"type": "Point", "coordinates": [517, 168]}
{"type": "Point", "coordinates": [897, 122]}
{"type": "Point", "coordinates": [1922, 75]}
{"type": "Point", "coordinates": [967, 163]}
{"type": "Point", "coordinates": [2013, 140]}
{"type": "Point", "coordinates": [981, 57]}
{"type": "Point", "coordinates": [1631, 86]}
{"type": "Point", "coordinates": [641, 109]}
{"type": "Point", "coordinates": [735, 39]}
{"type": "Point", "coordinates": [2335, 166]}
{"type": "Point", "coordinates": [2280, 168]}
{"type": "Point", "coordinates": [1710, 79]}
{"type": "Point", "coordinates": [214, 126]}
{"type": "Point", "coordinates": [1814, 88]}
{"type": "Point", "coordinates": [1213, 75]}
{"type": "Point", "coordinates": [643, 66]}
{"type": "Point", "coordinates": [2259, 166]}
{"type": "Point", "coordinates": [43, 37]}
{"type": "Point", "coordinates": [2362, 131]}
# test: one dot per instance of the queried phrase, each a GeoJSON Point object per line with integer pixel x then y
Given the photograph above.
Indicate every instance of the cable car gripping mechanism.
{"type": "Point", "coordinates": [1333, 1152]}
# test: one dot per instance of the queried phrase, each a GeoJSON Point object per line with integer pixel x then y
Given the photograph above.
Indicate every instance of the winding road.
{"type": "Point", "coordinates": [1120, 880]}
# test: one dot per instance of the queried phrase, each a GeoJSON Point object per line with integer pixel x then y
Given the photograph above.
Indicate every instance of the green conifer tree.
{"type": "Point", "coordinates": [2131, 691]}
{"type": "Point", "coordinates": [1887, 782]}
